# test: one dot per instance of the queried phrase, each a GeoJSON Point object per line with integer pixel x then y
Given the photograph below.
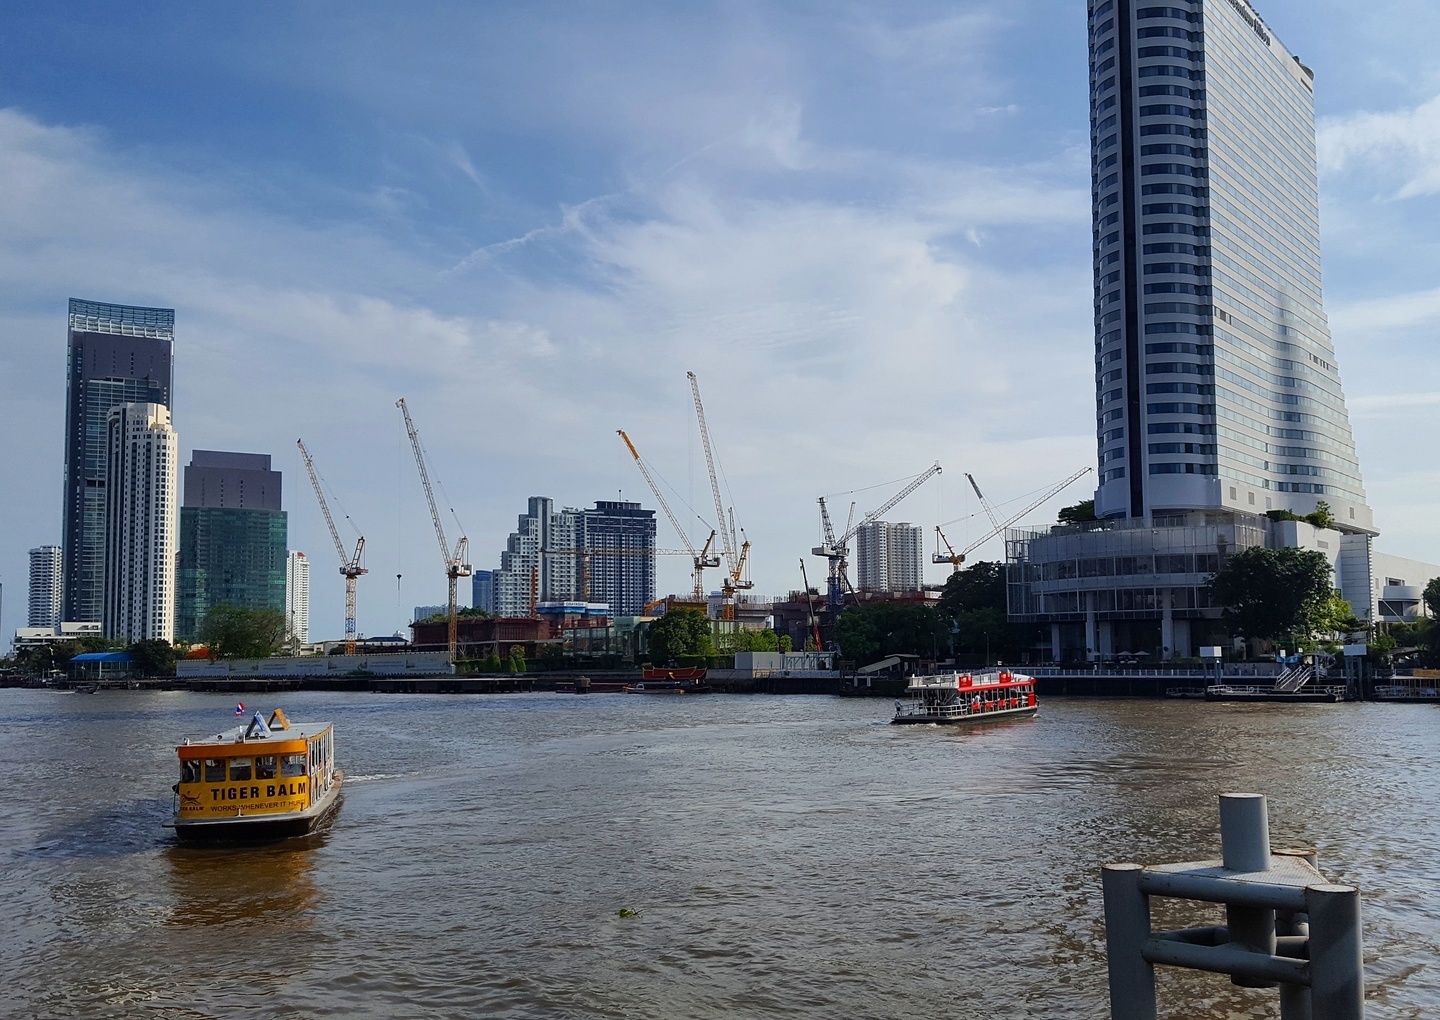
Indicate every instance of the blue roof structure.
{"type": "Point", "coordinates": [102, 657]}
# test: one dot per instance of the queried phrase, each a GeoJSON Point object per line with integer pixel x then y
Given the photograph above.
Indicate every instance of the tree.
{"type": "Point", "coordinates": [680, 632]}
{"type": "Point", "coordinates": [516, 660]}
{"type": "Point", "coordinates": [1270, 593]}
{"type": "Point", "coordinates": [750, 641]}
{"type": "Point", "coordinates": [1321, 516]}
{"type": "Point", "coordinates": [234, 632]}
{"type": "Point", "coordinates": [153, 657]}
{"type": "Point", "coordinates": [1077, 513]}
{"type": "Point", "coordinates": [783, 643]}
{"type": "Point", "coordinates": [979, 586]}
{"type": "Point", "coordinates": [1432, 596]}
{"type": "Point", "coordinates": [873, 630]}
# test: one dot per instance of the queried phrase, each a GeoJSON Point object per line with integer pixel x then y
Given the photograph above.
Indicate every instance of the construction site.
{"type": "Point", "coordinates": [576, 589]}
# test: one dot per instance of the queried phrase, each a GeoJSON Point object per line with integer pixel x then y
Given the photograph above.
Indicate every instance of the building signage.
{"type": "Point", "coordinates": [1252, 19]}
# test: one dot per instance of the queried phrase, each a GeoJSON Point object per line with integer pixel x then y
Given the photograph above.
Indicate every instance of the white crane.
{"type": "Point", "coordinates": [349, 565]}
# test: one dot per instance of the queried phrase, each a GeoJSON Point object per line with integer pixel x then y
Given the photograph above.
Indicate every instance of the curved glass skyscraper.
{"type": "Point", "coordinates": [1217, 385]}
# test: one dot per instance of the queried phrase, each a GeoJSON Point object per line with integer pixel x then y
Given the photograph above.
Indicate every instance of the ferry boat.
{"type": "Point", "coordinates": [967, 698]}
{"type": "Point", "coordinates": [263, 780]}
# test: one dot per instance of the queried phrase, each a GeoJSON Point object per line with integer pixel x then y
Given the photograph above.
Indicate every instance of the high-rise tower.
{"type": "Point", "coordinates": [45, 586]}
{"type": "Point", "coordinates": [140, 524]}
{"type": "Point", "coordinates": [1217, 385]}
{"type": "Point", "coordinates": [118, 354]}
{"type": "Point", "coordinates": [297, 597]}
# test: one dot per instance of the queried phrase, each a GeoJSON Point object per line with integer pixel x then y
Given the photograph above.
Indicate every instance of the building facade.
{"type": "Point", "coordinates": [118, 354]}
{"type": "Point", "coordinates": [540, 560]}
{"type": "Point", "coordinates": [1217, 385]}
{"type": "Point", "coordinates": [140, 538]}
{"type": "Point", "coordinates": [482, 590]}
{"type": "Point", "coordinates": [233, 538]}
{"type": "Point", "coordinates": [619, 565]}
{"type": "Point", "coordinates": [1217, 389]}
{"type": "Point", "coordinates": [297, 597]}
{"type": "Point", "coordinates": [889, 557]}
{"type": "Point", "coordinates": [46, 585]}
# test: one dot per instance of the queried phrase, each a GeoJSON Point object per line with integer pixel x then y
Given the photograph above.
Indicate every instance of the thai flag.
{"type": "Point", "coordinates": [239, 708]}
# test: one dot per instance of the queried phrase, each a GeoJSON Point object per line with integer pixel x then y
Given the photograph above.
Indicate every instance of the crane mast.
{"type": "Point", "coordinates": [701, 559]}
{"type": "Point", "coordinates": [456, 566]}
{"type": "Point", "coordinates": [349, 565]}
{"type": "Point", "coordinates": [736, 556]}
{"type": "Point", "coordinates": [835, 549]}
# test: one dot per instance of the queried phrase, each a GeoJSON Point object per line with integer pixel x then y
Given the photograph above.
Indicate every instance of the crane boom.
{"type": "Point", "coordinates": [956, 559]}
{"type": "Point", "coordinates": [455, 565]}
{"type": "Point", "coordinates": [727, 538]}
{"type": "Point", "coordinates": [701, 559]}
{"type": "Point", "coordinates": [893, 501]}
{"type": "Point", "coordinates": [984, 503]}
{"type": "Point", "coordinates": [349, 566]}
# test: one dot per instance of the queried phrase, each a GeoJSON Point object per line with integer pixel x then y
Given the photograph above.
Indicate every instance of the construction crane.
{"type": "Point", "coordinates": [836, 550]}
{"type": "Point", "coordinates": [955, 559]}
{"type": "Point", "coordinates": [456, 566]}
{"type": "Point", "coordinates": [735, 545]}
{"type": "Point", "coordinates": [701, 558]}
{"type": "Point", "coordinates": [810, 603]}
{"type": "Point", "coordinates": [349, 565]}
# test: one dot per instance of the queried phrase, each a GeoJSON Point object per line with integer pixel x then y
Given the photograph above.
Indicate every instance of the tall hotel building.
{"type": "Point", "coordinates": [1218, 392]}
{"type": "Point", "coordinates": [140, 538]}
{"type": "Point", "coordinates": [118, 354]}
{"type": "Point", "coordinates": [45, 587]}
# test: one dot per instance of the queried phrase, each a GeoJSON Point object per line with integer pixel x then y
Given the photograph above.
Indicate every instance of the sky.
{"type": "Point", "coordinates": [864, 226]}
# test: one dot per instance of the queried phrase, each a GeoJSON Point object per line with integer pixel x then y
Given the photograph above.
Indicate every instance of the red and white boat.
{"type": "Point", "coordinates": [967, 698]}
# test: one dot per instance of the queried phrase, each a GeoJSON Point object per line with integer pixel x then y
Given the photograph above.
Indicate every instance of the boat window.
{"type": "Point", "coordinates": [240, 770]}
{"type": "Point", "coordinates": [214, 770]}
{"type": "Point", "coordinates": [292, 765]}
{"type": "Point", "coordinates": [265, 767]}
{"type": "Point", "coordinates": [190, 771]}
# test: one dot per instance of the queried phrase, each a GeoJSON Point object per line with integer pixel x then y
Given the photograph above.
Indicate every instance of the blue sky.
{"type": "Point", "coordinates": [864, 226]}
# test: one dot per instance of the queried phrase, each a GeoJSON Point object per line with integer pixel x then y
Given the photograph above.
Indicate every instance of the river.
{"type": "Point", "coordinates": [783, 856]}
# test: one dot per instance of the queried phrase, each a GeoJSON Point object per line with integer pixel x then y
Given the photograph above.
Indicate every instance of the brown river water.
{"type": "Point", "coordinates": [785, 856]}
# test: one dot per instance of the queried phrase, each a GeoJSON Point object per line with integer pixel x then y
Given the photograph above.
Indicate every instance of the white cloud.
{"type": "Point", "coordinates": [1401, 146]}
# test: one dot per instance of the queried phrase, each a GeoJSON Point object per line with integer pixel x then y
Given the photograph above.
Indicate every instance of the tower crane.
{"type": "Point", "coordinates": [703, 557]}
{"type": "Point", "coordinates": [956, 559]}
{"type": "Point", "coordinates": [349, 565]}
{"type": "Point", "coordinates": [737, 554]}
{"type": "Point", "coordinates": [836, 550]}
{"type": "Point", "coordinates": [456, 566]}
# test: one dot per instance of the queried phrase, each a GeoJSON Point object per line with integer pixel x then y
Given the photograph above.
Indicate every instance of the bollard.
{"type": "Point", "coordinates": [1286, 925]}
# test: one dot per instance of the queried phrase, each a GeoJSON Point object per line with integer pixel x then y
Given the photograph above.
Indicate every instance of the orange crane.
{"type": "Point", "coordinates": [701, 558]}
{"type": "Point", "coordinates": [955, 559]}
{"type": "Point", "coordinates": [737, 553]}
{"type": "Point", "coordinates": [456, 565]}
{"type": "Point", "coordinates": [349, 565]}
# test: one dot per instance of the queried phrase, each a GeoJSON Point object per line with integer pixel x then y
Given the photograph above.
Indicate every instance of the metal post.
{"type": "Point", "coordinates": [1127, 927]}
{"type": "Point", "coordinates": [1245, 846]}
{"type": "Point", "coordinates": [1337, 975]}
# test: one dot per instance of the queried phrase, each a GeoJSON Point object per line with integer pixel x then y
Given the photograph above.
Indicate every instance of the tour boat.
{"type": "Point", "coordinates": [674, 673]}
{"type": "Point", "coordinates": [967, 698]}
{"type": "Point", "coordinates": [263, 780]}
{"type": "Point", "coordinates": [668, 687]}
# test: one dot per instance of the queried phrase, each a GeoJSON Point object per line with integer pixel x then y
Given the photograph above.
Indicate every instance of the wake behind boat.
{"type": "Point", "coordinates": [967, 698]}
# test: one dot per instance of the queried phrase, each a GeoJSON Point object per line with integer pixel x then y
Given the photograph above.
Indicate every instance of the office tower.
{"type": "Point", "coordinates": [482, 590]}
{"type": "Point", "coordinates": [233, 536]}
{"type": "Point", "coordinates": [297, 598]}
{"type": "Point", "coordinates": [140, 523]}
{"type": "Point", "coordinates": [539, 563]}
{"type": "Point", "coordinates": [1217, 385]}
{"type": "Point", "coordinates": [1218, 396]}
{"type": "Point", "coordinates": [118, 354]}
{"type": "Point", "coordinates": [426, 612]}
{"type": "Point", "coordinates": [889, 557]}
{"type": "Point", "coordinates": [45, 586]}
{"type": "Point", "coordinates": [619, 565]}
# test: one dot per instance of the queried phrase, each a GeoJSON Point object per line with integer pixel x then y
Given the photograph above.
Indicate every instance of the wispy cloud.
{"type": "Point", "coordinates": [1400, 147]}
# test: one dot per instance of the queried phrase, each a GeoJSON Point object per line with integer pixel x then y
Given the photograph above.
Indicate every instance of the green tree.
{"type": "Point", "coordinates": [979, 586]}
{"type": "Point", "coordinates": [873, 630]}
{"type": "Point", "coordinates": [516, 660]}
{"type": "Point", "coordinates": [680, 632]}
{"type": "Point", "coordinates": [153, 657]}
{"type": "Point", "coordinates": [1271, 593]}
{"type": "Point", "coordinates": [1432, 596]}
{"type": "Point", "coordinates": [1077, 513]}
{"type": "Point", "coordinates": [783, 643]}
{"type": "Point", "coordinates": [234, 632]}
{"type": "Point", "coordinates": [1321, 516]}
{"type": "Point", "coordinates": [749, 641]}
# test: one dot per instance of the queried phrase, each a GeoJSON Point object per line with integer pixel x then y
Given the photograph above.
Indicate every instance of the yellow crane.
{"type": "Point", "coordinates": [732, 541]}
{"type": "Point", "coordinates": [955, 559]}
{"type": "Point", "coordinates": [701, 558]}
{"type": "Point", "coordinates": [349, 565]}
{"type": "Point", "coordinates": [456, 565]}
